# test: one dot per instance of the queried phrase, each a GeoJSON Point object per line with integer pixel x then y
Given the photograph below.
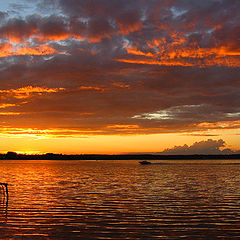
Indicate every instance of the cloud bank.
{"type": "Point", "coordinates": [203, 147]}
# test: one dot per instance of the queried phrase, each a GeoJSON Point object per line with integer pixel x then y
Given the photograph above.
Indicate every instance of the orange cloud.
{"type": "Point", "coordinates": [41, 50]}
{"type": "Point", "coordinates": [123, 126]}
{"type": "Point", "coordinates": [5, 105]}
{"type": "Point", "coordinates": [46, 133]}
{"type": "Point", "coordinates": [220, 125]}
{"type": "Point", "coordinates": [155, 62]}
{"type": "Point", "coordinates": [57, 37]}
{"type": "Point", "coordinates": [9, 113]}
{"type": "Point", "coordinates": [25, 92]}
{"type": "Point", "coordinates": [121, 85]}
{"type": "Point", "coordinates": [16, 36]}
{"type": "Point", "coordinates": [91, 88]}
{"type": "Point", "coordinates": [135, 51]}
{"type": "Point", "coordinates": [175, 53]}
{"type": "Point", "coordinates": [7, 50]}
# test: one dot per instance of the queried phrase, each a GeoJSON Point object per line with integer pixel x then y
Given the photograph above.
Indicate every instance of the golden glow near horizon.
{"type": "Point", "coordinates": [153, 143]}
{"type": "Point", "coordinates": [141, 76]}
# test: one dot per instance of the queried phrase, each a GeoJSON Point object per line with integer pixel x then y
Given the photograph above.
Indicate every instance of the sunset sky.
{"type": "Point", "coordinates": [119, 76]}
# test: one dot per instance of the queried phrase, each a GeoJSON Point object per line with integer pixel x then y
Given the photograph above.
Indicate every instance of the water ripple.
{"type": "Point", "coordinates": [120, 200]}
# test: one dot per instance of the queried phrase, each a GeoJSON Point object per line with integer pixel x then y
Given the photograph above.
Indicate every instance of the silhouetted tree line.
{"type": "Point", "coordinates": [52, 156]}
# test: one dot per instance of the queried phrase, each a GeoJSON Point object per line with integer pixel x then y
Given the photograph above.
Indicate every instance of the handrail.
{"type": "Point", "coordinates": [6, 188]}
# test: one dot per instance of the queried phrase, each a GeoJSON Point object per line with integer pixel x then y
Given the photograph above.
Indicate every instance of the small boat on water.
{"type": "Point", "coordinates": [145, 162]}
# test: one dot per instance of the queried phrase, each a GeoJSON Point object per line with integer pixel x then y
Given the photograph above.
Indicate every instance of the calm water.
{"type": "Point", "coordinates": [120, 200]}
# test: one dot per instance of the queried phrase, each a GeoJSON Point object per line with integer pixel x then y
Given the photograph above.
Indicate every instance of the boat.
{"type": "Point", "coordinates": [145, 162]}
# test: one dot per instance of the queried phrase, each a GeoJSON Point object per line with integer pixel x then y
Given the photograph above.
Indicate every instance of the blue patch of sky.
{"type": "Point", "coordinates": [23, 8]}
{"type": "Point", "coordinates": [16, 8]}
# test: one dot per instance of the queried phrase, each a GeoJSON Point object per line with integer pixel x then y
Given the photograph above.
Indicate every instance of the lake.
{"type": "Point", "coordinates": [120, 200]}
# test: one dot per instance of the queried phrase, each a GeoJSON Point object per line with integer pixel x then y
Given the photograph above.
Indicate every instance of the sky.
{"type": "Point", "coordinates": [120, 76]}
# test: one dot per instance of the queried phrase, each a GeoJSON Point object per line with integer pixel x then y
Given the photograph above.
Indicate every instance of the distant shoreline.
{"type": "Point", "coordinates": [52, 156]}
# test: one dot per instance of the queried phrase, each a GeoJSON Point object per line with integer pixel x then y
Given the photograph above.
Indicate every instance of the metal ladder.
{"type": "Point", "coordinates": [4, 187]}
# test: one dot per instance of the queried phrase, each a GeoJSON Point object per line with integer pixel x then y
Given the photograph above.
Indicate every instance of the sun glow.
{"type": "Point", "coordinates": [28, 152]}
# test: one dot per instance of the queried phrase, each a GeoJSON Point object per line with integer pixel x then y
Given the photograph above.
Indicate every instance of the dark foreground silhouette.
{"type": "Point", "coordinates": [52, 156]}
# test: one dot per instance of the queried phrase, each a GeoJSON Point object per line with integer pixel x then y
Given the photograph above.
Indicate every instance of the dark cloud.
{"type": "Point", "coordinates": [129, 21]}
{"type": "Point", "coordinates": [99, 27]}
{"type": "Point", "coordinates": [16, 30]}
{"type": "Point", "coordinates": [34, 26]}
{"type": "Point", "coordinates": [204, 147]}
{"type": "Point", "coordinates": [3, 15]}
{"type": "Point", "coordinates": [53, 26]}
{"type": "Point", "coordinates": [91, 8]}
